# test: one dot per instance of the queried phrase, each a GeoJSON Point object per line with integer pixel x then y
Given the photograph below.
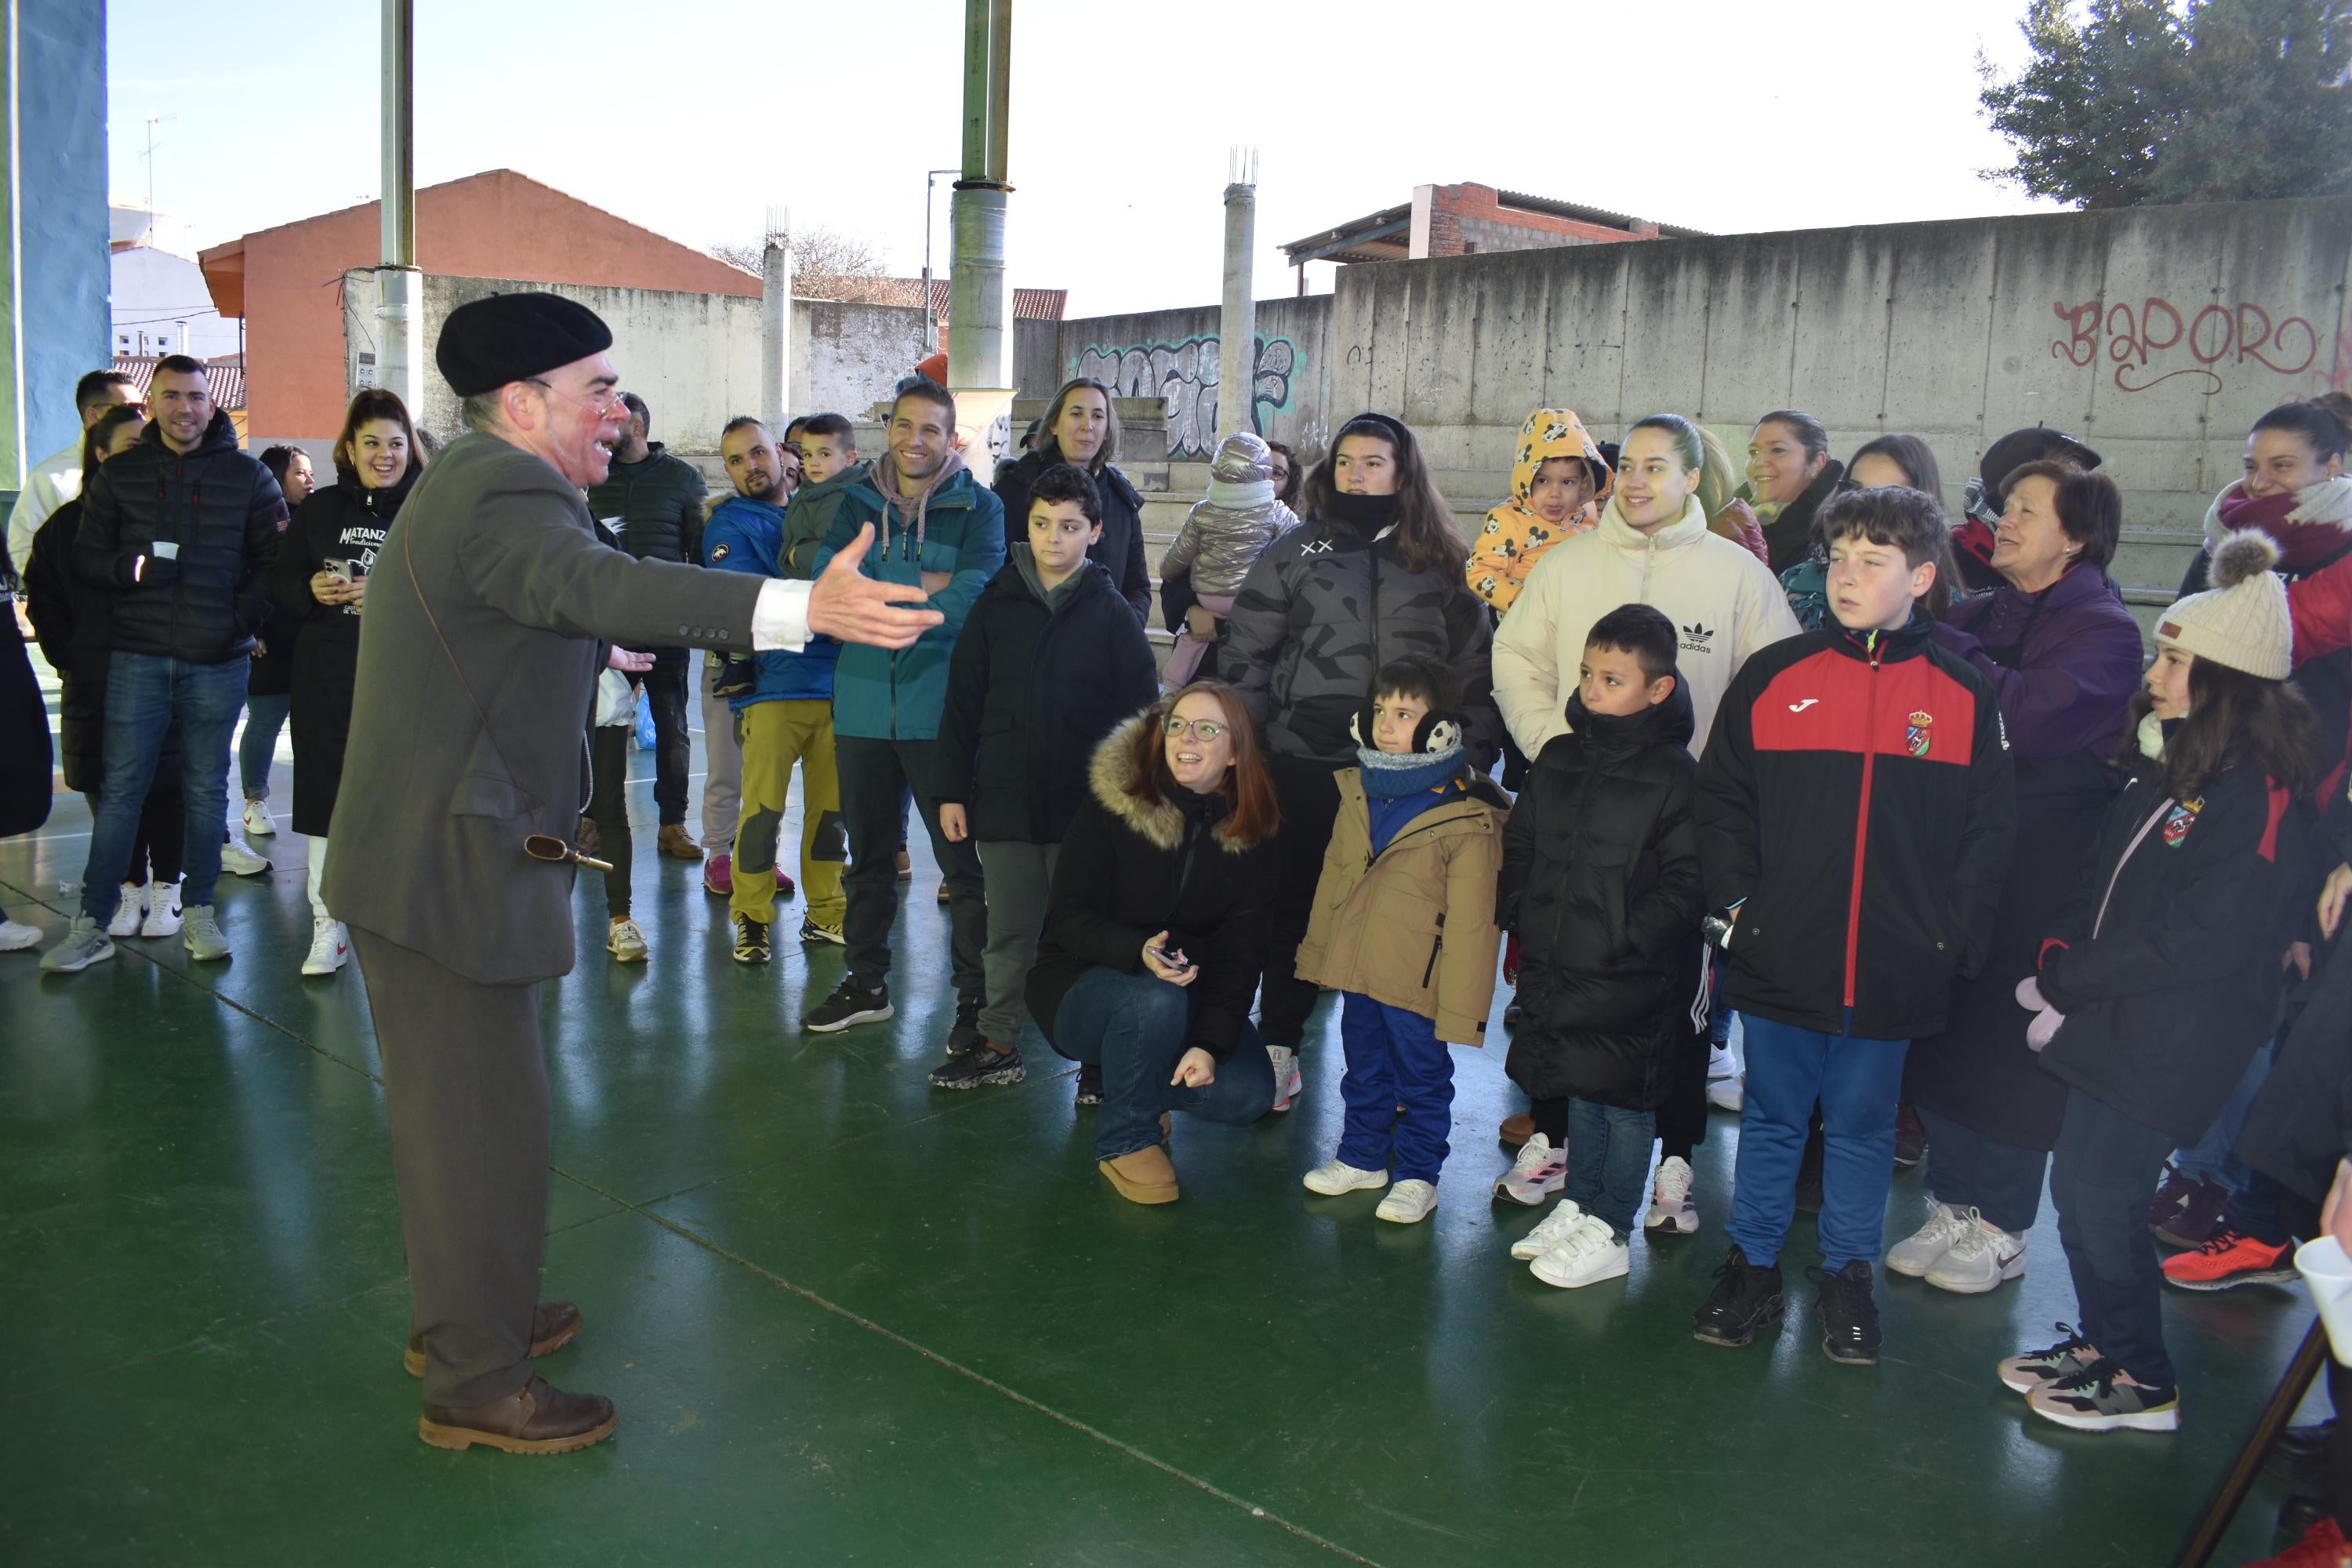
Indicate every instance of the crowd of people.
{"type": "Point", "coordinates": [1982, 887]}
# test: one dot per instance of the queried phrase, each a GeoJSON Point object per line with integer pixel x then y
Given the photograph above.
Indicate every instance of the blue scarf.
{"type": "Point", "coordinates": [1389, 775]}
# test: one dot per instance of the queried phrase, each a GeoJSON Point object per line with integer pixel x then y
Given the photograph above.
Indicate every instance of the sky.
{"type": "Point", "coordinates": [1720, 115]}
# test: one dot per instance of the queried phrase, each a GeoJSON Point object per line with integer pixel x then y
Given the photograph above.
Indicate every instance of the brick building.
{"type": "Point", "coordinates": [1466, 219]}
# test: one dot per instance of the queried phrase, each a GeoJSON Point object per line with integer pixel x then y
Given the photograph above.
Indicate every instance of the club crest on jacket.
{"type": "Point", "coordinates": [2183, 818]}
{"type": "Point", "coordinates": [1916, 738]}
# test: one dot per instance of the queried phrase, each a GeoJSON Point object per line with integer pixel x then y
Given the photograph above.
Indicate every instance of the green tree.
{"type": "Point", "coordinates": [2178, 100]}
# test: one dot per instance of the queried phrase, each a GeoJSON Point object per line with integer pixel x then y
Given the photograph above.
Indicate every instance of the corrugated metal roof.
{"type": "Point", "coordinates": [224, 376]}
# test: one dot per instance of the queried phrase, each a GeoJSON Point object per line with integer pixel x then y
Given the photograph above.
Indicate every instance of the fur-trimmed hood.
{"type": "Point", "coordinates": [1113, 778]}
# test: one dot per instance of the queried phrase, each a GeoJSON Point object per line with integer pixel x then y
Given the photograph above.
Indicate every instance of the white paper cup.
{"type": "Point", "coordinates": [2328, 1270]}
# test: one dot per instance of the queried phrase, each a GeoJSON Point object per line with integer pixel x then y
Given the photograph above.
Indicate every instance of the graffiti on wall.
{"type": "Point", "coordinates": [1185, 375]}
{"type": "Point", "coordinates": [2143, 338]}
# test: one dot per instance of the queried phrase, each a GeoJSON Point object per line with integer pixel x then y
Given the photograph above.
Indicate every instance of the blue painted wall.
{"type": "Point", "coordinates": [57, 104]}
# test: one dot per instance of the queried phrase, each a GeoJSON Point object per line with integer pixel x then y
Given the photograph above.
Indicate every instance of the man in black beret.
{"type": "Point", "coordinates": [492, 608]}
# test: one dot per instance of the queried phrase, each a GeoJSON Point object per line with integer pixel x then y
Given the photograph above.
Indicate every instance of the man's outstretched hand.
{"type": "Point", "coordinates": [849, 606]}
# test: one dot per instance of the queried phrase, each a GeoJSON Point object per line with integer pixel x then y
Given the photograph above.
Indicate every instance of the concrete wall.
{"type": "Point", "coordinates": [1173, 354]}
{"type": "Point", "coordinates": [693, 357]}
{"type": "Point", "coordinates": [53, 223]}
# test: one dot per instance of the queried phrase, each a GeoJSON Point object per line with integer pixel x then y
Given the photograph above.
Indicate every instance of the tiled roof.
{"type": "Point", "coordinates": [224, 376]}
{"type": "Point", "coordinates": [1028, 304]}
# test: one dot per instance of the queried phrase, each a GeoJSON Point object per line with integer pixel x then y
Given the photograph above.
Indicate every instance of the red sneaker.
{"type": "Point", "coordinates": [1511, 961]}
{"type": "Point", "coordinates": [2322, 1546]}
{"type": "Point", "coordinates": [718, 876]}
{"type": "Point", "coordinates": [784, 885]}
{"type": "Point", "coordinates": [2231, 1259]}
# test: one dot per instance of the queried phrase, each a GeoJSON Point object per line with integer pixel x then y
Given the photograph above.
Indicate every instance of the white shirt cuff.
{"type": "Point", "coordinates": [780, 618]}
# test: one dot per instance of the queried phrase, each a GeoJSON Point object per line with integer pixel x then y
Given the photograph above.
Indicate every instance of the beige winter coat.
{"type": "Point", "coordinates": [1414, 927]}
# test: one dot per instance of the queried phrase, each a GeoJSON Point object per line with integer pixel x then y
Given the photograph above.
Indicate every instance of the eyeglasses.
{"type": "Point", "coordinates": [599, 404]}
{"type": "Point", "coordinates": [545, 846]}
{"type": "Point", "coordinates": [1206, 728]}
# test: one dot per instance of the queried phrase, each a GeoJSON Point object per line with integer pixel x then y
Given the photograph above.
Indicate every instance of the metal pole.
{"type": "Point", "coordinates": [2214, 1522]}
{"type": "Point", "coordinates": [400, 292]}
{"type": "Point", "coordinates": [980, 314]}
{"type": "Point", "coordinates": [931, 182]}
{"type": "Point", "coordinates": [1237, 326]}
{"type": "Point", "coordinates": [776, 322]}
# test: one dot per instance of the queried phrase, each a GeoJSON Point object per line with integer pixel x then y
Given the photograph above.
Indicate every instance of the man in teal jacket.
{"type": "Point", "coordinates": [937, 526]}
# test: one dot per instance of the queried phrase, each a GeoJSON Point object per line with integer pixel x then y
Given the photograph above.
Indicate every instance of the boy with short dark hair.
{"type": "Point", "coordinates": [1051, 660]}
{"type": "Point", "coordinates": [1855, 813]}
{"type": "Point", "coordinates": [1405, 926]}
{"type": "Point", "coordinates": [1601, 878]}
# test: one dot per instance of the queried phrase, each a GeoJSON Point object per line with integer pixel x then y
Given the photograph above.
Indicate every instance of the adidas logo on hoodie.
{"type": "Point", "coordinates": [1698, 640]}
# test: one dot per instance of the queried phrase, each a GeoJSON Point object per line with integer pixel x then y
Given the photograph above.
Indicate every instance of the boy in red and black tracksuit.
{"type": "Point", "coordinates": [1855, 811]}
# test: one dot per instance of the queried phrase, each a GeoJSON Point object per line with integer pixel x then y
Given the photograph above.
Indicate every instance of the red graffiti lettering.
{"type": "Point", "coordinates": [2124, 344]}
{"type": "Point", "coordinates": [2198, 336]}
{"type": "Point", "coordinates": [2148, 326]}
{"type": "Point", "coordinates": [2083, 321]}
{"type": "Point", "coordinates": [2278, 342]}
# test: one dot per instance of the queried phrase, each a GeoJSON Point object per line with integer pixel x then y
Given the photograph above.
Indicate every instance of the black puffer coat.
{"type": "Point", "coordinates": [1031, 693]}
{"type": "Point", "coordinates": [659, 502]}
{"type": "Point", "coordinates": [1600, 880]}
{"type": "Point", "coordinates": [1789, 538]}
{"type": "Point", "coordinates": [2179, 987]}
{"type": "Point", "coordinates": [217, 512]}
{"type": "Point", "coordinates": [2297, 1130]}
{"type": "Point", "coordinates": [342, 521]}
{"type": "Point", "coordinates": [73, 624]}
{"type": "Point", "coordinates": [24, 745]}
{"type": "Point", "coordinates": [1130, 869]}
{"type": "Point", "coordinates": [1120, 551]}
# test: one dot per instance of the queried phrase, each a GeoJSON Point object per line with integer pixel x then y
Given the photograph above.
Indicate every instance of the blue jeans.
{"type": "Point", "coordinates": [1135, 1027]}
{"type": "Point", "coordinates": [1857, 1081]}
{"type": "Point", "coordinates": [1609, 1160]}
{"type": "Point", "coordinates": [264, 718]}
{"type": "Point", "coordinates": [144, 693]}
{"type": "Point", "coordinates": [1969, 1170]}
{"type": "Point", "coordinates": [2213, 1157]}
{"type": "Point", "coordinates": [1394, 1058]}
{"type": "Point", "coordinates": [2100, 1175]}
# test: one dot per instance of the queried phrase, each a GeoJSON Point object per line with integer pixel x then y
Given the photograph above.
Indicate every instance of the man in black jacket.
{"type": "Point", "coordinates": [183, 529]}
{"type": "Point", "coordinates": [654, 502]}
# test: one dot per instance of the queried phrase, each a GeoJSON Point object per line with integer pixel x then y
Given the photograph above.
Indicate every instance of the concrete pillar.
{"type": "Point", "coordinates": [1237, 326]}
{"type": "Point", "coordinates": [54, 279]}
{"type": "Point", "coordinates": [979, 302]}
{"type": "Point", "coordinates": [776, 329]}
{"type": "Point", "coordinates": [400, 287]}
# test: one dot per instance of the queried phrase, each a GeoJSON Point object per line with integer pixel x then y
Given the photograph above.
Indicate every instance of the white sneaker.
{"type": "Point", "coordinates": [626, 940]}
{"type": "Point", "coordinates": [257, 820]}
{"type": "Point", "coordinates": [84, 945]}
{"type": "Point", "coordinates": [201, 935]}
{"type": "Point", "coordinates": [1408, 1203]}
{"type": "Point", "coordinates": [1720, 1062]}
{"type": "Point", "coordinates": [15, 936]}
{"type": "Point", "coordinates": [1726, 1094]}
{"type": "Point", "coordinates": [331, 948]}
{"type": "Point", "coordinates": [163, 911]}
{"type": "Point", "coordinates": [1919, 1252]}
{"type": "Point", "coordinates": [1586, 1256]}
{"type": "Point", "coordinates": [129, 911]}
{"type": "Point", "coordinates": [1538, 1172]}
{"type": "Point", "coordinates": [1671, 1208]}
{"type": "Point", "coordinates": [1335, 1177]}
{"type": "Point", "coordinates": [239, 862]}
{"type": "Point", "coordinates": [1288, 1080]}
{"type": "Point", "coordinates": [1564, 1217]}
{"type": "Point", "coordinates": [1983, 1257]}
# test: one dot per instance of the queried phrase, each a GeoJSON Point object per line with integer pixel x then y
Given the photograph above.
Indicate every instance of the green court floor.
{"type": "Point", "coordinates": [850, 1319]}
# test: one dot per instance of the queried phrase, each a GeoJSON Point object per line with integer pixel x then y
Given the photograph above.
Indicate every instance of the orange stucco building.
{"type": "Point", "coordinates": [286, 281]}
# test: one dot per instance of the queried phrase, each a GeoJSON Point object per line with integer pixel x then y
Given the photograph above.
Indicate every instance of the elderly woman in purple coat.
{"type": "Point", "coordinates": [2062, 654]}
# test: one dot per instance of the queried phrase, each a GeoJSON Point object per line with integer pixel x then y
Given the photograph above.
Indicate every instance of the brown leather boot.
{"type": "Point", "coordinates": [538, 1418]}
{"type": "Point", "coordinates": [674, 840]}
{"type": "Point", "coordinates": [1517, 1130]}
{"type": "Point", "coordinates": [1146, 1176]}
{"type": "Point", "coordinates": [553, 1325]}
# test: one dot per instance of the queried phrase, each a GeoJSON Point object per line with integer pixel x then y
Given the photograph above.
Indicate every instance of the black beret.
{"type": "Point", "coordinates": [485, 343]}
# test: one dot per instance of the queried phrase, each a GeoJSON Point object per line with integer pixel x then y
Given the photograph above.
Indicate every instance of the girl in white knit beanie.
{"type": "Point", "coordinates": [2163, 977]}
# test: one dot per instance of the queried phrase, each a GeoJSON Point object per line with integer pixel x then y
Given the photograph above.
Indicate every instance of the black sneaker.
{"type": "Point", "coordinates": [1744, 1299]}
{"type": "Point", "coordinates": [750, 940]}
{"type": "Point", "coordinates": [981, 1064]}
{"type": "Point", "coordinates": [964, 1034]}
{"type": "Point", "coordinates": [1090, 1083]}
{"type": "Point", "coordinates": [737, 675]}
{"type": "Point", "coordinates": [1511, 1016]}
{"type": "Point", "coordinates": [1848, 1315]}
{"type": "Point", "coordinates": [849, 1004]}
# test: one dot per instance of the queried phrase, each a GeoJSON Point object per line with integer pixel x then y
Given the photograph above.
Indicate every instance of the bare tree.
{"type": "Point", "coordinates": [827, 264]}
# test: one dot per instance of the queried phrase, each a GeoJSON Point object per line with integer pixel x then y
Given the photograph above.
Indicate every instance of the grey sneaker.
{"type": "Point", "coordinates": [202, 934]}
{"type": "Point", "coordinates": [239, 862]}
{"type": "Point", "coordinates": [84, 945]}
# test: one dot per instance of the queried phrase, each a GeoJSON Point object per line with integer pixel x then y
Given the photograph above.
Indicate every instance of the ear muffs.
{"type": "Point", "coordinates": [1436, 732]}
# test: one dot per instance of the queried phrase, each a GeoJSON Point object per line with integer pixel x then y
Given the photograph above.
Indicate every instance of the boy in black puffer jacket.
{"type": "Point", "coordinates": [1600, 882]}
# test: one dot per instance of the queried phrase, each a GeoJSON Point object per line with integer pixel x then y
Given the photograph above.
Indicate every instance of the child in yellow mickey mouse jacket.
{"type": "Point", "coordinates": [1404, 926]}
{"type": "Point", "coordinates": [1557, 483]}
